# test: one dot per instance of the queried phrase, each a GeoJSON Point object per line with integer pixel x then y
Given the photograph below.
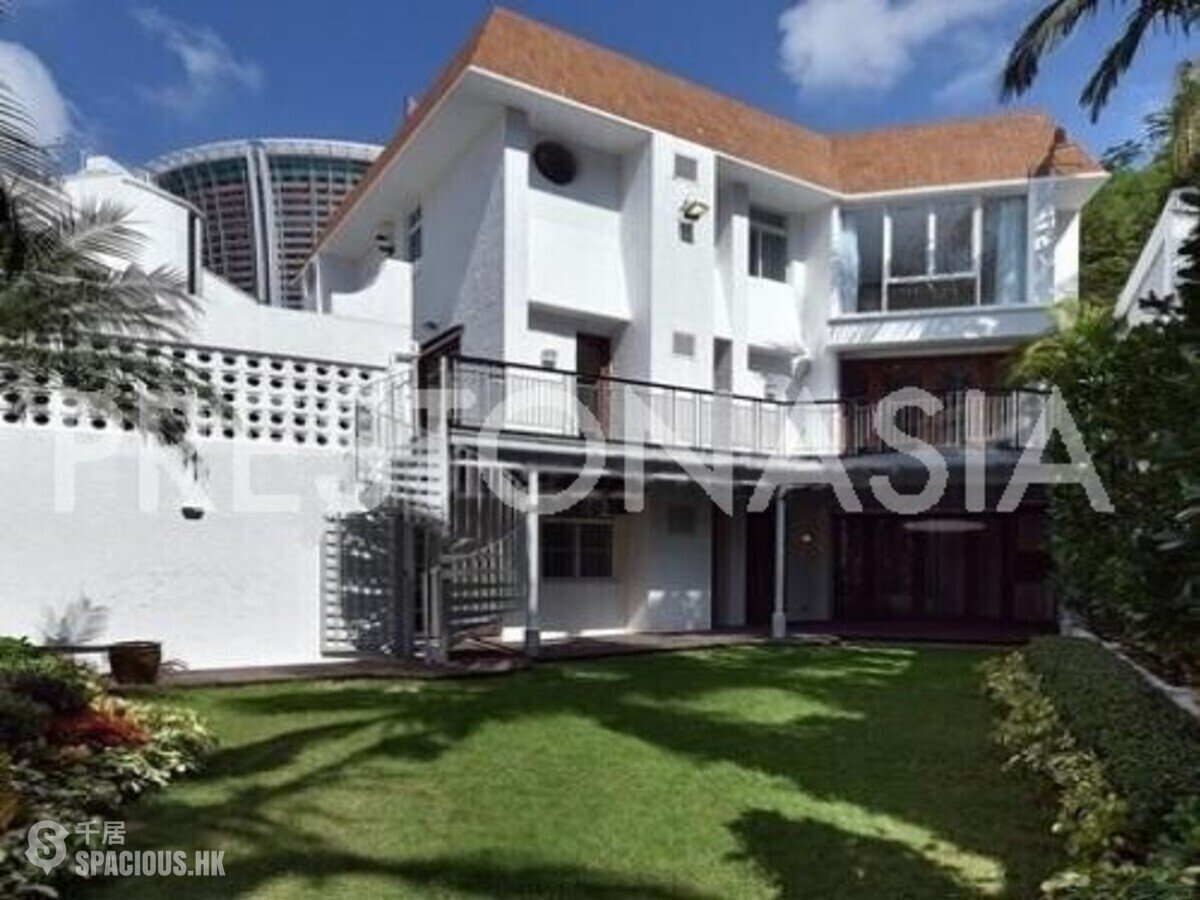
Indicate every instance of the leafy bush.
{"type": "Point", "coordinates": [56, 682]}
{"type": "Point", "coordinates": [94, 757]}
{"type": "Point", "coordinates": [20, 719]}
{"type": "Point", "coordinates": [1109, 858]}
{"type": "Point", "coordinates": [16, 650]}
{"type": "Point", "coordinates": [1149, 747]}
{"type": "Point", "coordinates": [1091, 817]}
{"type": "Point", "coordinates": [95, 729]}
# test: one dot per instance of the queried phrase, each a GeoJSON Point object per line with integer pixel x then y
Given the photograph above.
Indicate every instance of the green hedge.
{"type": "Point", "coordinates": [1149, 747]}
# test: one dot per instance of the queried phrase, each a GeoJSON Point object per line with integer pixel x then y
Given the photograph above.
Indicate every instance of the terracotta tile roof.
{"type": "Point", "coordinates": [995, 148]}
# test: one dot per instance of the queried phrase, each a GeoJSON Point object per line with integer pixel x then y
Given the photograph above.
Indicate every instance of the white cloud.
{"type": "Point", "coordinates": [870, 44]}
{"type": "Point", "coordinates": [209, 65]}
{"type": "Point", "coordinates": [975, 84]}
{"type": "Point", "coordinates": [34, 88]}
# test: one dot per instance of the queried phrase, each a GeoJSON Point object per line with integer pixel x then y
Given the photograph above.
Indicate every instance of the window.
{"type": "Point", "coordinates": [687, 231]}
{"type": "Point", "coordinates": [577, 548]}
{"type": "Point", "coordinates": [1005, 225]}
{"type": "Point", "coordinates": [685, 167]}
{"type": "Point", "coordinates": [683, 343]}
{"type": "Point", "coordinates": [768, 245]}
{"type": "Point", "coordinates": [412, 241]}
{"type": "Point", "coordinates": [933, 255]}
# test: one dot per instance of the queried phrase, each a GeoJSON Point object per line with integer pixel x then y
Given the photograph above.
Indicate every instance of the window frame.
{"type": "Point", "coordinates": [931, 206]}
{"type": "Point", "coordinates": [577, 526]}
{"type": "Point", "coordinates": [414, 235]}
{"type": "Point", "coordinates": [759, 223]}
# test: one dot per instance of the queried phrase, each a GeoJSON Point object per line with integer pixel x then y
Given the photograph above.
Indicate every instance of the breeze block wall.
{"type": "Point", "coordinates": [221, 561]}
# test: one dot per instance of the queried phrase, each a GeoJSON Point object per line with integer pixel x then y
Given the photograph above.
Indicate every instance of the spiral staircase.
{"type": "Point", "coordinates": [434, 552]}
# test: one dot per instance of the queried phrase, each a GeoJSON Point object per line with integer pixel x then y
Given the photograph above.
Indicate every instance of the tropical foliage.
{"type": "Point", "coordinates": [1058, 20]}
{"type": "Point", "coordinates": [1132, 394]}
{"type": "Point", "coordinates": [71, 753]}
{"type": "Point", "coordinates": [1083, 719]}
{"type": "Point", "coordinates": [73, 303]}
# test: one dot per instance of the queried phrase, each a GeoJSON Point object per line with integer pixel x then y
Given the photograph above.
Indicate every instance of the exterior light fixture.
{"type": "Point", "coordinates": [694, 210]}
{"type": "Point", "coordinates": [944, 526]}
{"type": "Point", "coordinates": [549, 358]}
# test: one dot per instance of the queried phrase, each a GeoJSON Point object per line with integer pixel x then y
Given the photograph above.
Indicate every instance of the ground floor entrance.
{"type": "Point", "coordinates": [946, 568]}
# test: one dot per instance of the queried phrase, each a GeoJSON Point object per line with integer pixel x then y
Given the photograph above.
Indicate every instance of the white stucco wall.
{"type": "Point", "coordinates": [162, 218]}
{"type": "Point", "coordinates": [669, 580]}
{"type": "Point", "coordinates": [241, 586]}
{"type": "Point", "coordinates": [459, 278]}
{"type": "Point", "coordinates": [575, 261]}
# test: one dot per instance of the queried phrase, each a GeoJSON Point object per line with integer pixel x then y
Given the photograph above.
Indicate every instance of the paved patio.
{"type": "Point", "coordinates": [483, 658]}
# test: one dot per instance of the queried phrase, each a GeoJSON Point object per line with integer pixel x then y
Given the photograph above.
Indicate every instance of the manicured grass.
{"type": "Point", "coordinates": [738, 773]}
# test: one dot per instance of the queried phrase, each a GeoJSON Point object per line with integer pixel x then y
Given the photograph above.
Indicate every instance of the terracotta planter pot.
{"type": "Point", "coordinates": [135, 662]}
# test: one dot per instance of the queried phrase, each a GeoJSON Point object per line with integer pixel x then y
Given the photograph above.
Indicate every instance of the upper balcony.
{"type": "Point", "coordinates": [526, 403]}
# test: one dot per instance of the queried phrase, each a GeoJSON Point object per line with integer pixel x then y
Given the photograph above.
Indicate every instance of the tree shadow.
{"type": "Point", "coordinates": [806, 860]}
{"type": "Point", "coordinates": [894, 733]}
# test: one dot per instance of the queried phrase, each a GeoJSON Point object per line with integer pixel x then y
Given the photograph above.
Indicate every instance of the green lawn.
{"type": "Point", "coordinates": [750, 772]}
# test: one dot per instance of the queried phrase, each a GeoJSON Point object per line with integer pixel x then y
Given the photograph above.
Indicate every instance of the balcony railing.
{"type": "Point", "coordinates": [518, 399]}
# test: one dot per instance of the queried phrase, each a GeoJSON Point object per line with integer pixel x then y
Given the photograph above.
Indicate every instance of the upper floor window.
{"type": "Point", "coordinates": [933, 255]}
{"type": "Point", "coordinates": [768, 245]}
{"type": "Point", "coordinates": [412, 235]}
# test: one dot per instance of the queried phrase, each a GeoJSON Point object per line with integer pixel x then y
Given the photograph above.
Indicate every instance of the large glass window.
{"type": "Point", "coordinates": [942, 254]}
{"type": "Point", "coordinates": [577, 548]}
{"type": "Point", "coordinates": [768, 245]}
{"type": "Point", "coordinates": [1005, 224]}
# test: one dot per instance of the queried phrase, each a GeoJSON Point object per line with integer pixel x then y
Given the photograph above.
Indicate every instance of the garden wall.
{"type": "Point", "coordinates": [90, 507]}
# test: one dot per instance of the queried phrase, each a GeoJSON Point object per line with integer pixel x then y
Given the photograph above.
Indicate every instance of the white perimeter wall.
{"type": "Point", "coordinates": [241, 586]}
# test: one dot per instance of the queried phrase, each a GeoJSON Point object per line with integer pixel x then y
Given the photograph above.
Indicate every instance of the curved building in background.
{"type": "Point", "coordinates": [264, 202]}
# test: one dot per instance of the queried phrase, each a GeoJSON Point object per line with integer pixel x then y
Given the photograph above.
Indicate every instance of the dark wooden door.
{"type": "Point", "coordinates": [760, 567]}
{"type": "Point", "coordinates": [593, 362]}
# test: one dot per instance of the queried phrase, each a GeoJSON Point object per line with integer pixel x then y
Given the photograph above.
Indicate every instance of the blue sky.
{"type": "Point", "coordinates": [135, 79]}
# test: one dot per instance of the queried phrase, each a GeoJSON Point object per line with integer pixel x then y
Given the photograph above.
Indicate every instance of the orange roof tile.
{"type": "Point", "coordinates": [995, 148]}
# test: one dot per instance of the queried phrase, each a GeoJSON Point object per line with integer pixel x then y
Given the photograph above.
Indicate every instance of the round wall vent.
{"type": "Point", "coordinates": [555, 162]}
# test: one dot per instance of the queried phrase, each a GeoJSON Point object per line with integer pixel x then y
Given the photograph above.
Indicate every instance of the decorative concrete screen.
{"type": "Point", "coordinates": [270, 398]}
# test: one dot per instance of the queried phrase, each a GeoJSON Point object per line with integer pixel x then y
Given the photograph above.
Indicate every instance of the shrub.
{"type": "Point", "coordinates": [1160, 863]}
{"type": "Point", "coordinates": [1150, 748]}
{"type": "Point", "coordinates": [1091, 817]}
{"type": "Point", "coordinates": [77, 783]}
{"type": "Point", "coordinates": [14, 650]}
{"type": "Point", "coordinates": [20, 719]}
{"type": "Point", "coordinates": [60, 684]}
{"type": "Point", "coordinates": [95, 729]}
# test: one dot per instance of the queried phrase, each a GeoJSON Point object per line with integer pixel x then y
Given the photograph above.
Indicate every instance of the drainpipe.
{"type": "Point", "coordinates": [534, 572]}
{"type": "Point", "coordinates": [779, 616]}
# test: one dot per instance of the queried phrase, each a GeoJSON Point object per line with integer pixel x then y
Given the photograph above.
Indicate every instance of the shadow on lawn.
{"type": "Point", "coordinates": [807, 860]}
{"type": "Point", "coordinates": [895, 733]}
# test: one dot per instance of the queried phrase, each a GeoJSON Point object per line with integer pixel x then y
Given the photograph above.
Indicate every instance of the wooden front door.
{"type": "Point", "coordinates": [593, 362]}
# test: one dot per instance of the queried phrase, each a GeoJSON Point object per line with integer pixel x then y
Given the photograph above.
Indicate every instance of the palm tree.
{"type": "Point", "coordinates": [1055, 23]}
{"type": "Point", "coordinates": [76, 313]}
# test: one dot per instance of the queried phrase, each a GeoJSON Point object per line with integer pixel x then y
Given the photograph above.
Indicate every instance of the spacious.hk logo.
{"type": "Point", "coordinates": [47, 850]}
{"type": "Point", "coordinates": [47, 845]}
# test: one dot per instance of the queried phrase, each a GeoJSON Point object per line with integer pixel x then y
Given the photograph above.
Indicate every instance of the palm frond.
{"type": "Point", "coordinates": [1049, 28]}
{"type": "Point", "coordinates": [1120, 54]}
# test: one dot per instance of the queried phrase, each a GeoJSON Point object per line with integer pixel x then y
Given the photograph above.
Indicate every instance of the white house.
{"type": "Point", "coordinates": [582, 226]}
{"type": "Point", "coordinates": [586, 255]}
{"type": "Point", "coordinates": [1156, 271]}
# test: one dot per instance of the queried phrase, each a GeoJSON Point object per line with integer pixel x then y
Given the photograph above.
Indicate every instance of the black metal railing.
{"type": "Point", "coordinates": [523, 399]}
